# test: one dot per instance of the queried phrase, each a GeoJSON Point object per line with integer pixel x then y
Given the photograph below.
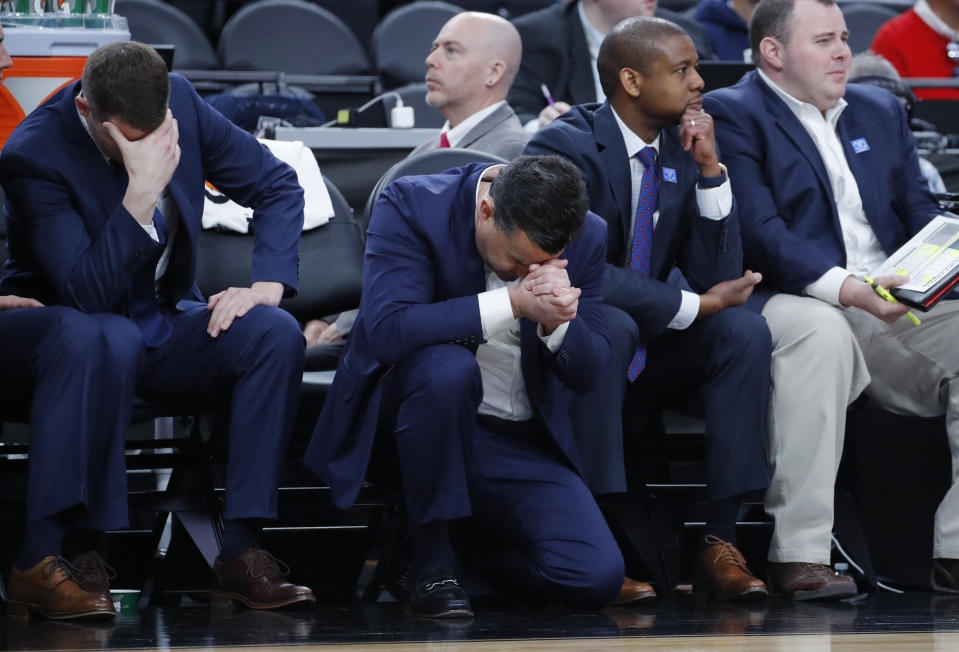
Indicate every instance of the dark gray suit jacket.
{"type": "Point", "coordinates": [499, 133]}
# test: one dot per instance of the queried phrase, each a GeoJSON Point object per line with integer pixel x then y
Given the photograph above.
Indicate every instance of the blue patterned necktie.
{"type": "Point", "coordinates": [643, 235]}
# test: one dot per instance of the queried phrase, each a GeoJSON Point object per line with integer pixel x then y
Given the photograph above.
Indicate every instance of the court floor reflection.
{"type": "Point", "coordinates": [198, 625]}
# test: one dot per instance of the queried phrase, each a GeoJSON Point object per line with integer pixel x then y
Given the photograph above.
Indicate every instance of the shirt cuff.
{"type": "Point", "coordinates": [555, 339]}
{"type": "Point", "coordinates": [826, 287]}
{"type": "Point", "coordinates": [151, 231]}
{"type": "Point", "coordinates": [344, 323]}
{"type": "Point", "coordinates": [715, 203]}
{"type": "Point", "coordinates": [496, 311]}
{"type": "Point", "coordinates": [688, 309]}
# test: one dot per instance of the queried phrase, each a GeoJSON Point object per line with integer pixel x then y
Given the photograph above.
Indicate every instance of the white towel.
{"type": "Point", "coordinates": [219, 211]}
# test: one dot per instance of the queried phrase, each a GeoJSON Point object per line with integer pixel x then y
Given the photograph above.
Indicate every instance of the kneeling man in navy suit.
{"type": "Point", "coordinates": [481, 295]}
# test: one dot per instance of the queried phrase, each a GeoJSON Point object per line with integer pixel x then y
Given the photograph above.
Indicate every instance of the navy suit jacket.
{"type": "Point", "coordinates": [422, 273]}
{"type": "Point", "coordinates": [70, 240]}
{"type": "Point", "coordinates": [706, 251]}
{"type": "Point", "coordinates": [791, 230]}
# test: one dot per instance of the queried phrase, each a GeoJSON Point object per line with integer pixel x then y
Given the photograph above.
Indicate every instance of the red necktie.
{"type": "Point", "coordinates": [444, 141]}
{"type": "Point", "coordinates": [643, 235]}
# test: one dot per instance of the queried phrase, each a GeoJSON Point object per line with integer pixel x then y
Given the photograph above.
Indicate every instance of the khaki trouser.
{"type": "Point", "coordinates": [823, 358]}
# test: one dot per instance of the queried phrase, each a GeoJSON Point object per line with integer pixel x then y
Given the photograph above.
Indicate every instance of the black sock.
{"type": "Point", "coordinates": [41, 539]}
{"type": "Point", "coordinates": [431, 548]}
{"type": "Point", "coordinates": [721, 518]}
{"type": "Point", "coordinates": [239, 535]}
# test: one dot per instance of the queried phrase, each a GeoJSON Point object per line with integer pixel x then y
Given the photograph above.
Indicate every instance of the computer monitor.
{"type": "Point", "coordinates": [719, 74]}
{"type": "Point", "coordinates": [166, 52]}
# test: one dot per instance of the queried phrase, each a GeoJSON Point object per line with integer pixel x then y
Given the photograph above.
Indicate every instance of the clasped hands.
{"type": "Point", "coordinates": [545, 295]}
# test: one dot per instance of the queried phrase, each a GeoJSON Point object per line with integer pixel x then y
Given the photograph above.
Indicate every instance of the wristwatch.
{"type": "Point", "coordinates": [713, 182]}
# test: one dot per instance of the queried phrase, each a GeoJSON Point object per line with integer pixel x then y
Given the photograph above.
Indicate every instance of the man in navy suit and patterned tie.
{"type": "Point", "coordinates": [674, 284]}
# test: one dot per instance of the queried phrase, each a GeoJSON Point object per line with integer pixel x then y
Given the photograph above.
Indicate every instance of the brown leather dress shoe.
{"type": "Point", "coordinates": [806, 581]}
{"type": "Point", "coordinates": [256, 578]}
{"type": "Point", "coordinates": [93, 574]}
{"type": "Point", "coordinates": [633, 591]}
{"type": "Point", "coordinates": [721, 572]}
{"type": "Point", "coordinates": [49, 588]}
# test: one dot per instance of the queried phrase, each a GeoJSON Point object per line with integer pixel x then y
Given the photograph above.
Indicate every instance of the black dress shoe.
{"type": "Point", "coordinates": [440, 596]}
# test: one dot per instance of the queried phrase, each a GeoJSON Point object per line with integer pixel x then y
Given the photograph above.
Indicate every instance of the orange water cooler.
{"type": "Point", "coordinates": [45, 59]}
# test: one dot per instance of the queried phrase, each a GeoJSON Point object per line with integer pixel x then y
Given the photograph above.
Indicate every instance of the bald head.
{"type": "Point", "coordinates": [496, 36]}
{"type": "Point", "coordinates": [633, 43]}
{"type": "Point", "coordinates": [472, 64]}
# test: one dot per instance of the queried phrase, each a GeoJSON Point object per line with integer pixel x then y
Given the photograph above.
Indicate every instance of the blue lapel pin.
{"type": "Point", "coordinates": [859, 145]}
{"type": "Point", "coordinates": [669, 174]}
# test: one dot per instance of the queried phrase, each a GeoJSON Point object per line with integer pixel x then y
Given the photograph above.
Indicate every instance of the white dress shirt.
{"type": "Point", "coordinates": [456, 134]}
{"type": "Point", "coordinates": [594, 38]}
{"type": "Point", "coordinates": [499, 358]}
{"type": "Point", "coordinates": [714, 204]}
{"type": "Point", "coordinates": [863, 251]}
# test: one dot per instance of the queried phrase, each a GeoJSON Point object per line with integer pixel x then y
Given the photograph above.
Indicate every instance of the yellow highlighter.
{"type": "Point", "coordinates": [884, 293]}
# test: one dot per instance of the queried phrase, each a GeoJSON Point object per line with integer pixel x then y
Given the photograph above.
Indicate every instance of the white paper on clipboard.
{"type": "Point", "coordinates": [928, 257]}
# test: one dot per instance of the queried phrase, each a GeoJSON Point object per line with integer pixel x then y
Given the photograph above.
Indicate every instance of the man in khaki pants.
{"type": "Point", "coordinates": [828, 185]}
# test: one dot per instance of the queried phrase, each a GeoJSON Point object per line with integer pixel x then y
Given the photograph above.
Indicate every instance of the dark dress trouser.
{"type": "Point", "coordinates": [84, 368]}
{"type": "Point", "coordinates": [552, 540]}
{"type": "Point", "coordinates": [258, 361]}
{"type": "Point", "coordinates": [726, 356]}
{"type": "Point", "coordinates": [75, 366]}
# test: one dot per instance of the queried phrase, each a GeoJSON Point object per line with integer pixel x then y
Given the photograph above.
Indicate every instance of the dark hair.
{"type": "Point", "coordinates": [632, 43]}
{"type": "Point", "coordinates": [128, 82]}
{"type": "Point", "coordinates": [771, 18]}
{"type": "Point", "coordinates": [542, 196]}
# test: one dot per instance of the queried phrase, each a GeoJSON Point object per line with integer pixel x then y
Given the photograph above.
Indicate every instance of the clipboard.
{"type": "Point", "coordinates": [930, 259]}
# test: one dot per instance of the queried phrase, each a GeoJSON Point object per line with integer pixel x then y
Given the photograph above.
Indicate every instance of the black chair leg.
{"type": "Point", "coordinates": [632, 515]}
{"type": "Point", "coordinates": [387, 525]}
{"type": "Point", "coordinates": [189, 496]}
{"type": "Point", "coordinates": [848, 531]}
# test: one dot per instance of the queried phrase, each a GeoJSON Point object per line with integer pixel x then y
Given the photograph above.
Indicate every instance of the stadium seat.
{"type": "Point", "coordinates": [403, 38]}
{"type": "Point", "coordinates": [863, 21]}
{"type": "Point", "coordinates": [291, 36]}
{"type": "Point", "coordinates": [154, 22]}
